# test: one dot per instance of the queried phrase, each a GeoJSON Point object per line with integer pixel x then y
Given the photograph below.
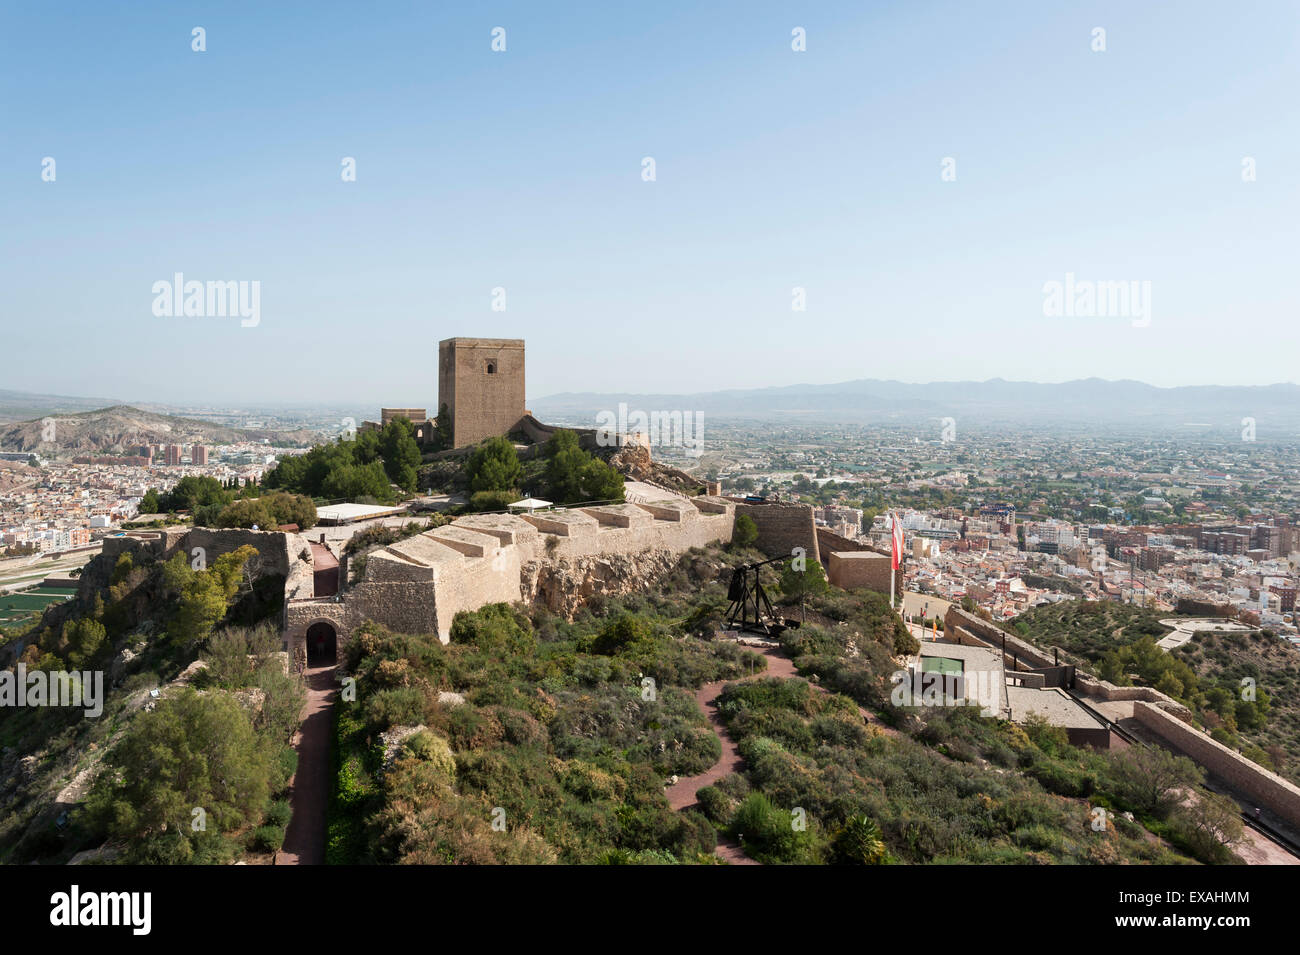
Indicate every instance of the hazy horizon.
{"type": "Point", "coordinates": [254, 401]}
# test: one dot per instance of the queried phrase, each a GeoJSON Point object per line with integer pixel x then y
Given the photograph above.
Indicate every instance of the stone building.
{"type": "Point", "coordinates": [481, 382]}
{"type": "Point", "coordinates": [560, 557]}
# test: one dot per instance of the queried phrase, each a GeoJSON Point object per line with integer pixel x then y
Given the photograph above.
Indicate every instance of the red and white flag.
{"type": "Point", "coordinates": [896, 549]}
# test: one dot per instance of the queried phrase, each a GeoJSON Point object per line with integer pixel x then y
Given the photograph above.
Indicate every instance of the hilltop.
{"type": "Point", "coordinates": [21, 405]}
{"type": "Point", "coordinates": [122, 427]}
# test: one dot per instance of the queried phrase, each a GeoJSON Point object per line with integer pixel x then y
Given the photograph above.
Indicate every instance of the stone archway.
{"type": "Point", "coordinates": [322, 644]}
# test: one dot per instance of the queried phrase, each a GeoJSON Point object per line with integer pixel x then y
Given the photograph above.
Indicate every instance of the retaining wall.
{"type": "Point", "coordinates": [1266, 788]}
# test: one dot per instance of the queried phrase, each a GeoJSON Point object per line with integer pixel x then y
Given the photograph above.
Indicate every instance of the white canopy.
{"type": "Point", "coordinates": [530, 504]}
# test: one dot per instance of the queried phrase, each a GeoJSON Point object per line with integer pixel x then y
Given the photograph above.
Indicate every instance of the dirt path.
{"type": "Point", "coordinates": [681, 795]}
{"type": "Point", "coordinates": [304, 841]}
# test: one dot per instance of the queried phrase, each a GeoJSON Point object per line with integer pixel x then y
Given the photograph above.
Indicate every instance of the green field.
{"type": "Point", "coordinates": [17, 606]}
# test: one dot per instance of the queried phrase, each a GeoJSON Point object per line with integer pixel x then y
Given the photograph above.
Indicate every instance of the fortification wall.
{"type": "Point", "coordinates": [1268, 789]}
{"type": "Point", "coordinates": [851, 570]}
{"type": "Point", "coordinates": [135, 542]}
{"type": "Point", "coordinates": [276, 552]}
{"type": "Point", "coordinates": [540, 433]}
{"type": "Point", "coordinates": [783, 527]}
{"type": "Point", "coordinates": [418, 585]}
{"type": "Point", "coordinates": [829, 542]}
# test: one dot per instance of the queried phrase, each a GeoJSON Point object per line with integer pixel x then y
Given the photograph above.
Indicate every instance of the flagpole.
{"type": "Point", "coordinates": [895, 554]}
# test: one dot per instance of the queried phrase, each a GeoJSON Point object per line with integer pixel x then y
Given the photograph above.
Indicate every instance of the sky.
{"type": "Point", "coordinates": [774, 169]}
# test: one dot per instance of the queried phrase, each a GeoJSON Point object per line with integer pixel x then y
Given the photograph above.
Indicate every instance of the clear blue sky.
{"type": "Point", "coordinates": [522, 169]}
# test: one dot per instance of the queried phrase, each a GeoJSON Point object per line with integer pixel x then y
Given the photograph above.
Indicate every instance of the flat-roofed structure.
{"type": "Point", "coordinates": [979, 675]}
{"type": "Point", "coordinates": [347, 513]}
{"type": "Point", "coordinates": [1059, 709]}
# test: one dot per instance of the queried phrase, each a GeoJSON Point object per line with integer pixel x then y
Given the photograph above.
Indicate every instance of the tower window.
{"type": "Point", "coordinates": [491, 368]}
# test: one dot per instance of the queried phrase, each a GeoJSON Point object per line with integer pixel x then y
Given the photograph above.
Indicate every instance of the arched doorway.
{"type": "Point", "coordinates": [322, 645]}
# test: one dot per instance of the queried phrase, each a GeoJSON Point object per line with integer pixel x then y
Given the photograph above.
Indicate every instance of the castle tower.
{"type": "Point", "coordinates": [481, 381]}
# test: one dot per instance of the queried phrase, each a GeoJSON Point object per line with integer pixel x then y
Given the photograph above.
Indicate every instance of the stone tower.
{"type": "Point", "coordinates": [481, 381]}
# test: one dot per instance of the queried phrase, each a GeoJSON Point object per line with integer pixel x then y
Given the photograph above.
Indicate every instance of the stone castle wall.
{"type": "Point", "coordinates": [277, 552]}
{"type": "Point", "coordinates": [783, 527]}
{"type": "Point", "coordinates": [418, 585]}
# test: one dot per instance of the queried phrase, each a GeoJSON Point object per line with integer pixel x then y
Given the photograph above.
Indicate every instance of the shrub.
{"type": "Point", "coordinates": [268, 838]}
{"type": "Point", "coordinates": [402, 706]}
{"type": "Point", "coordinates": [432, 748]}
{"type": "Point", "coordinates": [767, 833]}
{"type": "Point", "coordinates": [496, 628]}
{"type": "Point", "coordinates": [744, 533]}
{"type": "Point", "coordinates": [492, 500]}
{"type": "Point", "coordinates": [859, 842]}
{"type": "Point", "coordinates": [278, 813]}
{"type": "Point", "coordinates": [716, 805]}
{"type": "Point", "coordinates": [1149, 778]}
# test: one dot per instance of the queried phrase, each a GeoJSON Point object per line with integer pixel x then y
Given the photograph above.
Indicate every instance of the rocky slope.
{"type": "Point", "coordinates": [123, 428]}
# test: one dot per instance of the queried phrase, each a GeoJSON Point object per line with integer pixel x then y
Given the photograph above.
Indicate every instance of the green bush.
{"type": "Point", "coordinates": [716, 805]}
{"type": "Point", "coordinates": [492, 500]}
{"type": "Point", "coordinates": [278, 813]}
{"type": "Point", "coordinates": [744, 533]}
{"type": "Point", "coordinates": [432, 748]}
{"type": "Point", "coordinates": [403, 706]}
{"type": "Point", "coordinates": [268, 838]}
{"type": "Point", "coordinates": [767, 833]}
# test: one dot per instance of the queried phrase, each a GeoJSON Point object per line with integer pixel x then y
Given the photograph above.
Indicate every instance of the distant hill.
{"type": "Point", "coordinates": [1191, 409]}
{"type": "Point", "coordinates": [22, 405]}
{"type": "Point", "coordinates": [14, 473]}
{"type": "Point", "coordinates": [121, 427]}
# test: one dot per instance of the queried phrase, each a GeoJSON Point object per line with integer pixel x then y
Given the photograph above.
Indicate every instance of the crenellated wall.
{"type": "Point", "coordinates": [419, 584]}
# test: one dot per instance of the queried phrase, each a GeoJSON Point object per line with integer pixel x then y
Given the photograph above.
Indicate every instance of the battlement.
{"type": "Point", "coordinates": [419, 584]}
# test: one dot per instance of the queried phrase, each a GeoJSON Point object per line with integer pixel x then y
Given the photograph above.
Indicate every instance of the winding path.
{"type": "Point", "coordinates": [681, 794]}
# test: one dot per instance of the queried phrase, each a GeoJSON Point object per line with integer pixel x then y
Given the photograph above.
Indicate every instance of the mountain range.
{"type": "Point", "coordinates": [1275, 408]}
